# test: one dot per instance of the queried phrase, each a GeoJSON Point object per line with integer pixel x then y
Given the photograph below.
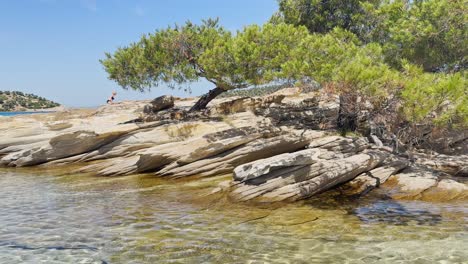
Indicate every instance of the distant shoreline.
{"type": "Point", "coordinates": [42, 110]}
{"type": "Point", "coordinates": [32, 111]}
{"type": "Point", "coordinates": [16, 113]}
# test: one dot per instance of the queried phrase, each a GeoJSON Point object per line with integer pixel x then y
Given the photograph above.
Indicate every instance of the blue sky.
{"type": "Point", "coordinates": [52, 47]}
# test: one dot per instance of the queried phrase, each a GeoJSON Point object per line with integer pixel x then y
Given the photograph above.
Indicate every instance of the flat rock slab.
{"type": "Point", "coordinates": [419, 183]}
{"type": "Point", "coordinates": [446, 190]}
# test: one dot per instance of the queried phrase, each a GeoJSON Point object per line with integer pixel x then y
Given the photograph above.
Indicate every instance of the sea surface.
{"type": "Point", "coordinates": [62, 217]}
{"type": "Point", "coordinates": [21, 113]}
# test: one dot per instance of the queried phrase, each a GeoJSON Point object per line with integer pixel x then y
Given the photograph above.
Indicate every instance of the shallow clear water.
{"type": "Point", "coordinates": [45, 218]}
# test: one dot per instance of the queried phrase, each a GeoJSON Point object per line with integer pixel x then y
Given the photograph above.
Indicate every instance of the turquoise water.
{"type": "Point", "coordinates": [21, 113]}
{"type": "Point", "coordinates": [51, 217]}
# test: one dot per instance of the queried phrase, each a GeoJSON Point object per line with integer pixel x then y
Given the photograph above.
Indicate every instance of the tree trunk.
{"type": "Point", "coordinates": [347, 113]}
{"type": "Point", "coordinates": [205, 99]}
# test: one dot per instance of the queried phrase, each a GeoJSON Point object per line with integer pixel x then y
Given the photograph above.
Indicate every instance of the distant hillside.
{"type": "Point", "coordinates": [18, 101]}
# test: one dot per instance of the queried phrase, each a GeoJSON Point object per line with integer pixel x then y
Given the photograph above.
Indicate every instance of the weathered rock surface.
{"type": "Point", "coordinates": [304, 111]}
{"type": "Point", "coordinates": [267, 143]}
{"type": "Point", "coordinates": [158, 104]}
{"type": "Point", "coordinates": [446, 190]}
{"type": "Point", "coordinates": [61, 146]}
{"type": "Point", "coordinates": [423, 184]}
{"type": "Point", "coordinates": [300, 175]}
{"type": "Point", "coordinates": [40, 138]}
{"type": "Point", "coordinates": [225, 162]}
{"type": "Point", "coordinates": [453, 165]}
{"type": "Point", "coordinates": [372, 179]}
{"type": "Point", "coordinates": [243, 104]}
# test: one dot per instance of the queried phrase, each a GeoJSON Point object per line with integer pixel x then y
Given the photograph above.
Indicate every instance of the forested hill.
{"type": "Point", "coordinates": [19, 101]}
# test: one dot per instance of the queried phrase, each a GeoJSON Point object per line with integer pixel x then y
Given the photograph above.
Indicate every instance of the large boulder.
{"type": "Point", "coordinates": [258, 168]}
{"type": "Point", "coordinates": [299, 175]}
{"type": "Point", "coordinates": [159, 103]}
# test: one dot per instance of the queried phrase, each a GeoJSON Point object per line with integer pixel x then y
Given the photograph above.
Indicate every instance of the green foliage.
{"type": "Point", "coordinates": [430, 33]}
{"type": "Point", "coordinates": [15, 100]}
{"type": "Point", "coordinates": [323, 16]}
{"type": "Point", "coordinates": [319, 55]}
{"type": "Point", "coordinates": [338, 60]}
{"type": "Point", "coordinates": [180, 55]}
{"type": "Point", "coordinates": [367, 72]}
{"type": "Point", "coordinates": [256, 55]}
{"type": "Point", "coordinates": [439, 98]}
{"type": "Point", "coordinates": [373, 49]}
{"type": "Point", "coordinates": [165, 56]}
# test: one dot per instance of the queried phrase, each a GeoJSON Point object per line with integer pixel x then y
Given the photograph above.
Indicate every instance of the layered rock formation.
{"type": "Point", "coordinates": [269, 144]}
{"type": "Point", "coordinates": [299, 175]}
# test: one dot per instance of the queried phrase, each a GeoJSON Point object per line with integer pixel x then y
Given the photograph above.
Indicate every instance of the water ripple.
{"type": "Point", "coordinates": [139, 219]}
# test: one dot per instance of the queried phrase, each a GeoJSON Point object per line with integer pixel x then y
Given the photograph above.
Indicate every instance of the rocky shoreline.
{"type": "Point", "coordinates": [280, 147]}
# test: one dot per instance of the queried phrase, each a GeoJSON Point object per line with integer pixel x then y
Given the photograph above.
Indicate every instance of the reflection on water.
{"type": "Point", "coordinates": [140, 219]}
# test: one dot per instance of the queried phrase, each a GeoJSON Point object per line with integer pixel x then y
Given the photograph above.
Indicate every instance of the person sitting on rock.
{"type": "Point", "coordinates": [111, 98]}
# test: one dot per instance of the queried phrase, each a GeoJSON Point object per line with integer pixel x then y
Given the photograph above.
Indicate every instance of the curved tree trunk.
{"type": "Point", "coordinates": [347, 113]}
{"type": "Point", "coordinates": [206, 98]}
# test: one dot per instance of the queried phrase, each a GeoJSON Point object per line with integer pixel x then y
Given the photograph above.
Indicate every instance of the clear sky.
{"type": "Point", "coordinates": [52, 47]}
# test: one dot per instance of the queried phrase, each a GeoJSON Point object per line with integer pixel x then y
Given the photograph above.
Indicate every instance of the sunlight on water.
{"type": "Point", "coordinates": [141, 219]}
